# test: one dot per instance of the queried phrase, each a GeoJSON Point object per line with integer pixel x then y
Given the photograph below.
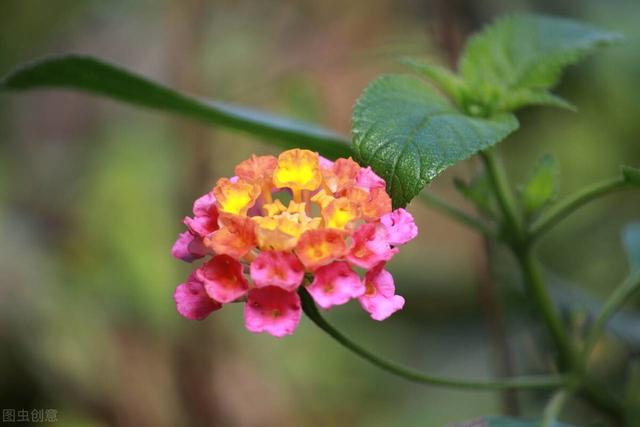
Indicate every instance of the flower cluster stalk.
{"type": "Point", "coordinates": [527, 382]}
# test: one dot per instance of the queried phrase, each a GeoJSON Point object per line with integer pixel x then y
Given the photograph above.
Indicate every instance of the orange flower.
{"type": "Point", "coordinates": [282, 227]}
{"type": "Point", "coordinates": [298, 170]}
{"type": "Point", "coordinates": [378, 204]}
{"type": "Point", "coordinates": [372, 204]}
{"type": "Point", "coordinates": [235, 238]}
{"type": "Point", "coordinates": [235, 197]}
{"type": "Point", "coordinates": [322, 198]}
{"type": "Point", "coordinates": [339, 213]}
{"type": "Point", "coordinates": [257, 168]}
{"type": "Point", "coordinates": [342, 175]}
{"type": "Point", "coordinates": [319, 247]}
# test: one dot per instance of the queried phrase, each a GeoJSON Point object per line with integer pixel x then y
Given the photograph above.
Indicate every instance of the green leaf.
{"type": "Point", "coordinates": [525, 52]}
{"type": "Point", "coordinates": [408, 133]}
{"type": "Point", "coordinates": [631, 242]}
{"type": "Point", "coordinates": [95, 76]}
{"type": "Point", "coordinates": [442, 78]}
{"type": "Point", "coordinates": [631, 175]}
{"type": "Point", "coordinates": [542, 187]}
{"type": "Point", "coordinates": [520, 98]}
{"type": "Point", "coordinates": [505, 422]}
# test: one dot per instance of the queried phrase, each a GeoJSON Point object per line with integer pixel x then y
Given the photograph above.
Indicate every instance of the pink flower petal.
{"type": "Point", "coordinates": [325, 163]}
{"type": "Point", "coordinates": [205, 220]}
{"type": "Point", "coordinates": [370, 246]}
{"type": "Point", "coordinates": [205, 206]}
{"type": "Point", "coordinates": [367, 178]}
{"type": "Point", "coordinates": [192, 300]}
{"type": "Point", "coordinates": [223, 279]}
{"type": "Point", "coordinates": [188, 248]}
{"type": "Point", "coordinates": [379, 299]}
{"type": "Point", "coordinates": [281, 269]}
{"type": "Point", "coordinates": [335, 284]}
{"type": "Point", "coordinates": [400, 226]}
{"type": "Point", "coordinates": [272, 310]}
{"type": "Point", "coordinates": [201, 226]}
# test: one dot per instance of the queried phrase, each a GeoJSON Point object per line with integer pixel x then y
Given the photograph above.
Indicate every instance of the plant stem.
{"type": "Point", "coordinates": [453, 212]}
{"type": "Point", "coordinates": [615, 301]}
{"type": "Point", "coordinates": [506, 199]}
{"type": "Point", "coordinates": [530, 271]}
{"type": "Point", "coordinates": [554, 407]}
{"type": "Point", "coordinates": [529, 382]}
{"type": "Point", "coordinates": [537, 290]}
{"type": "Point", "coordinates": [568, 359]}
{"type": "Point", "coordinates": [565, 207]}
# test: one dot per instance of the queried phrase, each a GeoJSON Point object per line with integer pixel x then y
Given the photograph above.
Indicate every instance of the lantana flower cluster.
{"type": "Point", "coordinates": [281, 223]}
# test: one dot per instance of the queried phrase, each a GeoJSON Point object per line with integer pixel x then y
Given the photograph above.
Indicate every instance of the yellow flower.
{"type": "Point", "coordinates": [281, 228]}
{"type": "Point", "coordinates": [339, 213]}
{"type": "Point", "coordinates": [298, 170]}
{"type": "Point", "coordinates": [235, 197]}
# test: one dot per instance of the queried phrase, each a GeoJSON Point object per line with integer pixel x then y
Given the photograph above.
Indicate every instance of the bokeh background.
{"type": "Point", "coordinates": [92, 194]}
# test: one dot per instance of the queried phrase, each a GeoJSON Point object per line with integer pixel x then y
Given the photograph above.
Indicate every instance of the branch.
{"type": "Point", "coordinates": [540, 296]}
{"type": "Point", "coordinates": [529, 382]}
{"type": "Point", "coordinates": [520, 246]}
{"type": "Point", "coordinates": [567, 206]}
{"type": "Point", "coordinates": [453, 212]}
{"type": "Point", "coordinates": [617, 299]}
{"type": "Point", "coordinates": [503, 192]}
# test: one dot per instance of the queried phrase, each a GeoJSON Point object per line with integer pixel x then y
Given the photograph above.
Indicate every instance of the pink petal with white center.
{"type": "Point", "coordinates": [370, 246]}
{"type": "Point", "coordinates": [272, 310]}
{"type": "Point", "coordinates": [281, 269]}
{"type": "Point", "coordinates": [188, 247]}
{"type": "Point", "coordinates": [335, 284]}
{"type": "Point", "coordinates": [367, 178]}
{"type": "Point", "coordinates": [400, 226]}
{"type": "Point", "coordinates": [192, 300]}
{"type": "Point", "coordinates": [223, 279]}
{"type": "Point", "coordinates": [379, 299]}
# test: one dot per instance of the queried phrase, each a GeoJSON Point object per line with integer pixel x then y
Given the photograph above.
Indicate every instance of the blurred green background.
{"type": "Point", "coordinates": [92, 194]}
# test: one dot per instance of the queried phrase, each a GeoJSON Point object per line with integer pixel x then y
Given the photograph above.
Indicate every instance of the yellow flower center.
{"type": "Point", "coordinates": [326, 197]}
{"type": "Point", "coordinates": [298, 170]}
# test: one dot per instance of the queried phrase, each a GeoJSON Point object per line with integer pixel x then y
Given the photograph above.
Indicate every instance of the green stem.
{"type": "Point", "coordinates": [565, 207]}
{"type": "Point", "coordinates": [615, 301]}
{"type": "Point", "coordinates": [538, 292]}
{"type": "Point", "coordinates": [530, 271]}
{"type": "Point", "coordinates": [522, 249]}
{"type": "Point", "coordinates": [554, 407]}
{"type": "Point", "coordinates": [506, 198]}
{"type": "Point", "coordinates": [453, 212]}
{"type": "Point", "coordinates": [529, 382]}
